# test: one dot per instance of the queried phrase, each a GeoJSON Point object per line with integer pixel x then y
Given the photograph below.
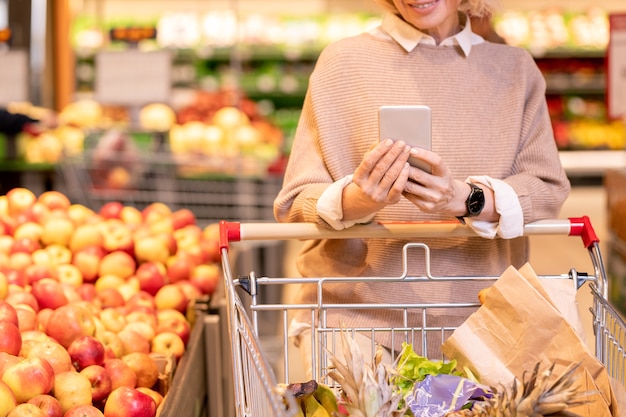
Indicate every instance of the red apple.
{"type": "Point", "coordinates": [80, 214]}
{"type": "Point", "coordinates": [206, 277]}
{"type": "Point", "coordinates": [26, 317]}
{"type": "Point", "coordinates": [100, 381]}
{"type": "Point", "coordinates": [175, 324]}
{"type": "Point", "coordinates": [55, 354]}
{"type": "Point", "coordinates": [168, 343]}
{"type": "Point", "coordinates": [59, 254]}
{"type": "Point", "coordinates": [19, 200]}
{"type": "Point", "coordinates": [191, 291]}
{"type": "Point", "coordinates": [69, 322]}
{"type": "Point", "coordinates": [57, 230]}
{"type": "Point", "coordinates": [133, 341]}
{"type": "Point", "coordinates": [211, 240]}
{"type": "Point", "coordinates": [120, 373]}
{"type": "Point", "coordinates": [131, 216]}
{"type": "Point", "coordinates": [43, 316]}
{"type": "Point", "coordinates": [86, 351]}
{"type": "Point", "coordinates": [25, 245]}
{"type": "Point", "coordinates": [7, 399]}
{"type": "Point", "coordinates": [87, 291]}
{"type": "Point", "coordinates": [14, 277]}
{"type": "Point", "coordinates": [144, 367]}
{"type": "Point", "coordinates": [183, 217]}
{"type": "Point", "coordinates": [26, 410]}
{"type": "Point", "coordinates": [171, 296]}
{"type": "Point", "coordinates": [141, 301]}
{"type": "Point", "coordinates": [151, 276]}
{"type": "Point", "coordinates": [21, 296]}
{"type": "Point", "coordinates": [113, 346]}
{"type": "Point", "coordinates": [110, 297]}
{"type": "Point", "coordinates": [155, 211]}
{"type": "Point", "coordinates": [49, 293]}
{"type": "Point", "coordinates": [129, 402]}
{"type": "Point", "coordinates": [50, 406]}
{"type": "Point", "coordinates": [7, 312]}
{"type": "Point", "coordinates": [69, 275]}
{"type": "Point", "coordinates": [28, 378]}
{"type": "Point", "coordinates": [10, 338]}
{"type": "Point", "coordinates": [72, 388]}
{"type": "Point", "coordinates": [54, 200]}
{"type": "Point", "coordinates": [156, 396]}
{"type": "Point", "coordinates": [141, 316]}
{"type": "Point", "coordinates": [36, 272]}
{"type": "Point", "coordinates": [111, 210]}
{"type": "Point", "coordinates": [85, 410]}
{"type": "Point", "coordinates": [180, 266]}
{"type": "Point", "coordinates": [87, 260]}
{"type": "Point", "coordinates": [117, 263]}
{"type": "Point", "coordinates": [152, 248]}
{"type": "Point", "coordinates": [7, 360]}
{"type": "Point", "coordinates": [29, 230]}
{"type": "Point", "coordinates": [117, 236]}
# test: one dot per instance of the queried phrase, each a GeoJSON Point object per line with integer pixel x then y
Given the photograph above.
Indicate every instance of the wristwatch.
{"type": "Point", "coordinates": [475, 202]}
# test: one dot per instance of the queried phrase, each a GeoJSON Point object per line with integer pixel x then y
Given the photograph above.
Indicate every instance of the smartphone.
{"type": "Point", "coordinates": [410, 123]}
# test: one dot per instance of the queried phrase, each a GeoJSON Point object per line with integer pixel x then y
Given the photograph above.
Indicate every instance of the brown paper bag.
{"type": "Point", "coordinates": [519, 326]}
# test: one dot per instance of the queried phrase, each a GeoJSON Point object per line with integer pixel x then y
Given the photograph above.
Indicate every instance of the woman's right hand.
{"type": "Point", "coordinates": [378, 181]}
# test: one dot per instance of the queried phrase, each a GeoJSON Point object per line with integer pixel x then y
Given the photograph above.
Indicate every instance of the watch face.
{"type": "Point", "coordinates": [475, 201]}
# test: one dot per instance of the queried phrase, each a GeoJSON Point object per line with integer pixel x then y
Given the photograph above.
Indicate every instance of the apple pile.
{"type": "Point", "coordinates": [91, 302]}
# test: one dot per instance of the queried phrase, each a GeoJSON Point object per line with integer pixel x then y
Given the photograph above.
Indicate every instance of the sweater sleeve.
{"type": "Point", "coordinates": [306, 178]}
{"type": "Point", "coordinates": [538, 177]}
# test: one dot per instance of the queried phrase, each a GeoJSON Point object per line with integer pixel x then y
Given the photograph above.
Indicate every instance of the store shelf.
{"type": "Point", "coordinates": [592, 163]}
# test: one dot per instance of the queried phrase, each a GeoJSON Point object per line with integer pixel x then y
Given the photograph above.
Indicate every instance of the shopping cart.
{"type": "Point", "coordinates": [254, 367]}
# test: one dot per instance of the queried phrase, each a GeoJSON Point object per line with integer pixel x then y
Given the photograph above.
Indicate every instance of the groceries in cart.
{"type": "Point", "coordinates": [509, 358]}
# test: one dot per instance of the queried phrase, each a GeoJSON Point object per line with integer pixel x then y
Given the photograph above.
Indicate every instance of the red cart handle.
{"type": "Point", "coordinates": [581, 226]}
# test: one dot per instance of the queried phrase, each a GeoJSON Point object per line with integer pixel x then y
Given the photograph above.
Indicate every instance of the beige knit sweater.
{"type": "Point", "coordinates": [489, 117]}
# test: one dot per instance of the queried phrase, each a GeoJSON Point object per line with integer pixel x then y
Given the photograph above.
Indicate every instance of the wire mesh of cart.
{"type": "Point", "coordinates": [255, 369]}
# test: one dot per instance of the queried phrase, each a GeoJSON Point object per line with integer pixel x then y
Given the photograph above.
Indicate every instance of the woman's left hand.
{"type": "Point", "coordinates": [437, 191]}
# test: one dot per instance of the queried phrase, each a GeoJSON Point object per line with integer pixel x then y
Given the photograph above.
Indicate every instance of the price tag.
{"type": "Point", "coordinates": [13, 76]}
{"type": "Point", "coordinates": [616, 67]}
{"type": "Point", "coordinates": [133, 78]}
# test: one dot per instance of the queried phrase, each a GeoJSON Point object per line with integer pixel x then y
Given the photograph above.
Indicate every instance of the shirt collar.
{"type": "Point", "coordinates": [409, 36]}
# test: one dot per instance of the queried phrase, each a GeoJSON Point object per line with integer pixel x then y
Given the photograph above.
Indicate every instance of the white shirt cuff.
{"type": "Point", "coordinates": [507, 204]}
{"type": "Point", "coordinates": [330, 209]}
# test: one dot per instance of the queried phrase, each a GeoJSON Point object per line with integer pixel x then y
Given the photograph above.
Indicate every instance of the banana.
{"type": "Point", "coordinates": [299, 409]}
{"type": "Point", "coordinates": [312, 408]}
{"type": "Point", "coordinates": [326, 397]}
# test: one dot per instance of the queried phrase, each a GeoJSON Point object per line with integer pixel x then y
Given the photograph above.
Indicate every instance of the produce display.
{"type": "Point", "coordinates": [94, 305]}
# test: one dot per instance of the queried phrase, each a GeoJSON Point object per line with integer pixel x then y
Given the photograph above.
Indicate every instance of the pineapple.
{"type": "Point", "coordinates": [540, 396]}
{"type": "Point", "coordinates": [366, 390]}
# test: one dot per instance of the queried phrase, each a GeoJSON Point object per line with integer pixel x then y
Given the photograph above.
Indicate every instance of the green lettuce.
{"type": "Point", "coordinates": [411, 368]}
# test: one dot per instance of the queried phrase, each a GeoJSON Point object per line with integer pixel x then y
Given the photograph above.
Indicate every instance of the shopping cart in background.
{"type": "Point", "coordinates": [139, 169]}
{"type": "Point", "coordinates": [255, 362]}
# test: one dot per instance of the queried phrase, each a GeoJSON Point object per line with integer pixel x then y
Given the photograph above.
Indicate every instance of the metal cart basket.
{"type": "Point", "coordinates": [255, 367]}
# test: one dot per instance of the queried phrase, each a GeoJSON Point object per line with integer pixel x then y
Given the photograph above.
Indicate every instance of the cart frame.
{"type": "Point", "coordinates": [253, 375]}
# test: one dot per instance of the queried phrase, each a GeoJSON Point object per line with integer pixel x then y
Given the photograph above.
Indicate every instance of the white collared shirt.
{"type": "Point", "coordinates": [511, 223]}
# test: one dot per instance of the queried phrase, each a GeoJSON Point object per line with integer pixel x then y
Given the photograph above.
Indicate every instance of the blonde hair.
{"type": "Point", "coordinates": [474, 8]}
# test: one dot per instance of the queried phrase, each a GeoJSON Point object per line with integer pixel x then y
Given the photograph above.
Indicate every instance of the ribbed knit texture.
{"type": "Point", "coordinates": [489, 117]}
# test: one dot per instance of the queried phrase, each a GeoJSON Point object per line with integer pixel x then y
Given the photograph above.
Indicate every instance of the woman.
{"type": "Point", "coordinates": [494, 159]}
